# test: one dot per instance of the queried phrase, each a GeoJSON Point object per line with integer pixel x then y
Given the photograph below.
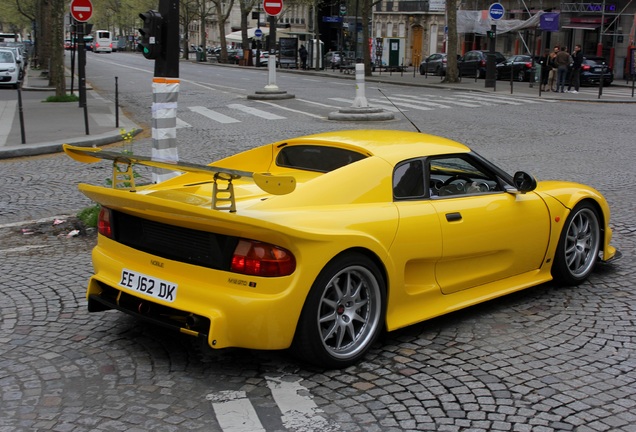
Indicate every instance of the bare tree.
{"type": "Point", "coordinates": [246, 8]}
{"type": "Point", "coordinates": [57, 75]}
{"type": "Point", "coordinates": [365, 16]}
{"type": "Point", "coordinates": [188, 12]}
{"type": "Point", "coordinates": [452, 74]}
{"type": "Point", "coordinates": [223, 10]}
{"type": "Point", "coordinates": [204, 10]}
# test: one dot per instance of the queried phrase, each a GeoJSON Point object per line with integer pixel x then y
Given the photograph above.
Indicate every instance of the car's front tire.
{"type": "Point", "coordinates": [343, 314]}
{"type": "Point", "coordinates": [579, 245]}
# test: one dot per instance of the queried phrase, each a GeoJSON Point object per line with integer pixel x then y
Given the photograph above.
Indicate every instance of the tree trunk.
{"type": "Point", "coordinates": [57, 74]}
{"type": "Point", "coordinates": [366, 55]}
{"type": "Point", "coordinates": [452, 75]}
{"type": "Point", "coordinates": [44, 38]}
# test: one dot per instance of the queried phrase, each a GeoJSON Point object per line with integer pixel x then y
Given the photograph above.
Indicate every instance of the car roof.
{"type": "Point", "coordinates": [391, 145]}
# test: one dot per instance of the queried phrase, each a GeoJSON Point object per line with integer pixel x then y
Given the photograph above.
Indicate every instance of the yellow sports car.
{"type": "Point", "coordinates": [321, 242]}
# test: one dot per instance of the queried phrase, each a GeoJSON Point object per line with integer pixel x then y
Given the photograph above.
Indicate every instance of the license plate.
{"type": "Point", "coordinates": [597, 69]}
{"type": "Point", "coordinates": [148, 285]}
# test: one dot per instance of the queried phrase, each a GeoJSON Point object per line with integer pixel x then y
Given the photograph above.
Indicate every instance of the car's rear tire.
{"type": "Point", "coordinates": [579, 244]}
{"type": "Point", "coordinates": [521, 76]}
{"type": "Point", "coordinates": [343, 314]}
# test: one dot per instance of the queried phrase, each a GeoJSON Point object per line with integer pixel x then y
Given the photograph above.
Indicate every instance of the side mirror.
{"type": "Point", "coordinates": [524, 182]}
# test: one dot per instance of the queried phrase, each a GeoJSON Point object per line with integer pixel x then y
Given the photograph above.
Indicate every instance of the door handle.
{"type": "Point", "coordinates": [452, 217]}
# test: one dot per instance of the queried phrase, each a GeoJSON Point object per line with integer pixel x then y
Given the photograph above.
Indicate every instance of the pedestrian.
{"type": "Point", "coordinates": [303, 56]}
{"type": "Point", "coordinates": [545, 69]}
{"type": "Point", "coordinates": [563, 61]}
{"type": "Point", "coordinates": [575, 73]}
{"type": "Point", "coordinates": [552, 74]}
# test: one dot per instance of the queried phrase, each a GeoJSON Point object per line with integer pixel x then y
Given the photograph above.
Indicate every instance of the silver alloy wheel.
{"type": "Point", "coordinates": [349, 311]}
{"type": "Point", "coordinates": [582, 242]}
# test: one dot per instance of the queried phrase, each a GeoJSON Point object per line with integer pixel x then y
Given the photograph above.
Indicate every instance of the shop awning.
{"type": "Point", "coordinates": [581, 26]}
{"type": "Point", "coordinates": [237, 36]}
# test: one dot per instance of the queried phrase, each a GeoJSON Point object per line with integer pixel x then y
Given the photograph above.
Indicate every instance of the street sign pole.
{"type": "Point", "coordinates": [496, 12]}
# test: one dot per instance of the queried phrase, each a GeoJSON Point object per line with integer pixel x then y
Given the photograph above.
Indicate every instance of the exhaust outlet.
{"type": "Point", "coordinates": [192, 321]}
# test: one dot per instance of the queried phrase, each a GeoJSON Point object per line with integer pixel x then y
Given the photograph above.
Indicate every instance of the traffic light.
{"type": "Point", "coordinates": [150, 44]}
{"type": "Point", "coordinates": [491, 34]}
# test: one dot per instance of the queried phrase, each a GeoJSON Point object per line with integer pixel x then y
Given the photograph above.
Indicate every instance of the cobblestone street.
{"type": "Point", "coordinates": [549, 358]}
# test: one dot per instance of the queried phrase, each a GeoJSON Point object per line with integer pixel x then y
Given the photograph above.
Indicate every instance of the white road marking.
{"type": "Point", "coordinates": [181, 124]}
{"type": "Point", "coordinates": [293, 110]}
{"type": "Point", "coordinates": [235, 412]}
{"type": "Point", "coordinates": [385, 104]}
{"type": "Point", "coordinates": [445, 99]}
{"type": "Point", "coordinates": [299, 410]}
{"type": "Point", "coordinates": [256, 112]}
{"type": "Point", "coordinates": [213, 115]}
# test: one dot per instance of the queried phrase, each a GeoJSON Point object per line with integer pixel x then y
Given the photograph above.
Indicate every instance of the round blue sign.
{"type": "Point", "coordinates": [258, 32]}
{"type": "Point", "coordinates": [496, 11]}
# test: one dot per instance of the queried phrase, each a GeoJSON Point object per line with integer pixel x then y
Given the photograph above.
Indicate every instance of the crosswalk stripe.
{"type": "Point", "coordinates": [445, 99]}
{"type": "Point", "coordinates": [383, 103]}
{"type": "Point", "coordinates": [235, 412]}
{"type": "Point", "coordinates": [396, 101]}
{"type": "Point", "coordinates": [181, 124]}
{"type": "Point", "coordinates": [299, 410]}
{"type": "Point", "coordinates": [213, 115]}
{"type": "Point", "coordinates": [491, 99]}
{"type": "Point", "coordinates": [256, 112]}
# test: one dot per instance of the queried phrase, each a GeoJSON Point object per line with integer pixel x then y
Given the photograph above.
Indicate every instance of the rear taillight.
{"type": "Point", "coordinates": [482, 63]}
{"type": "Point", "coordinates": [262, 259]}
{"type": "Point", "coordinates": [529, 65]}
{"type": "Point", "coordinates": [586, 67]}
{"type": "Point", "coordinates": [104, 226]}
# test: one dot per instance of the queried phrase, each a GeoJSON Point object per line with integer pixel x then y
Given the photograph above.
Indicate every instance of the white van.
{"type": "Point", "coordinates": [102, 42]}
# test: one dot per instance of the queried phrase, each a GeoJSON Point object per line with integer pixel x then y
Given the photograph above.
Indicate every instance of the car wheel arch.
{"type": "Point", "coordinates": [302, 343]}
{"type": "Point", "coordinates": [559, 270]}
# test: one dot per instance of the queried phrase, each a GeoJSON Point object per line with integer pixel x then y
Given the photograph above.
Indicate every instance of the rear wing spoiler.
{"type": "Point", "coordinates": [124, 178]}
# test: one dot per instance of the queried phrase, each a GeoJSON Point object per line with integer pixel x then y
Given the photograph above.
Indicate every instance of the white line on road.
{"type": "Point", "coordinates": [256, 112]}
{"type": "Point", "coordinates": [386, 105]}
{"type": "Point", "coordinates": [445, 99]}
{"type": "Point", "coordinates": [213, 115]}
{"type": "Point", "coordinates": [293, 110]}
{"type": "Point", "coordinates": [235, 412]}
{"type": "Point", "coordinates": [299, 410]}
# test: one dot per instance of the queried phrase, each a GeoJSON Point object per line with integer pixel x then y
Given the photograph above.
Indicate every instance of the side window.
{"type": "Point", "coordinates": [458, 175]}
{"type": "Point", "coordinates": [408, 180]}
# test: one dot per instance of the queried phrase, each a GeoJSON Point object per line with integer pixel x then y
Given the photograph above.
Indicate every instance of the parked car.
{"type": "Point", "coordinates": [333, 59]}
{"type": "Point", "coordinates": [18, 51]}
{"type": "Point", "coordinates": [520, 66]}
{"type": "Point", "coordinates": [593, 68]}
{"type": "Point", "coordinates": [9, 68]}
{"type": "Point", "coordinates": [435, 64]}
{"type": "Point", "coordinates": [302, 251]}
{"type": "Point", "coordinates": [473, 63]}
{"type": "Point", "coordinates": [234, 56]}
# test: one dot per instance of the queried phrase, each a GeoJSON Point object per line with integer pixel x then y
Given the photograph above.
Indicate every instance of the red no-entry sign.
{"type": "Point", "coordinates": [81, 10]}
{"type": "Point", "coordinates": [273, 7]}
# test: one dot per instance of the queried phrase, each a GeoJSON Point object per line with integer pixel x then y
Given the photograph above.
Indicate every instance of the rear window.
{"type": "Point", "coordinates": [103, 35]}
{"type": "Point", "coordinates": [316, 158]}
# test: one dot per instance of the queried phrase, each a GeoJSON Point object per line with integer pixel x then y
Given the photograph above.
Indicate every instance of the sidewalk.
{"type": "Point", "coordinates": [48, 125]}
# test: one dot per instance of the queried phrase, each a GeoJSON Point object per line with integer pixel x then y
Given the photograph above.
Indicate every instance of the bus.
{"type": "Point", "coordinates": [103, 42]}
{"type": "Point", "coordinates": [10, 37]}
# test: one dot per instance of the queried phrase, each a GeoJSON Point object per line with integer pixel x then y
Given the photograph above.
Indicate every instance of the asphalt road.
{"type": "Point", "coordinates": [550, 358]}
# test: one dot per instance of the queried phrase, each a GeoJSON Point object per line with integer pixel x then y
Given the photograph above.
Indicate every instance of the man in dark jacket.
{"type": "Point", "coordinates": [575, 73]}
